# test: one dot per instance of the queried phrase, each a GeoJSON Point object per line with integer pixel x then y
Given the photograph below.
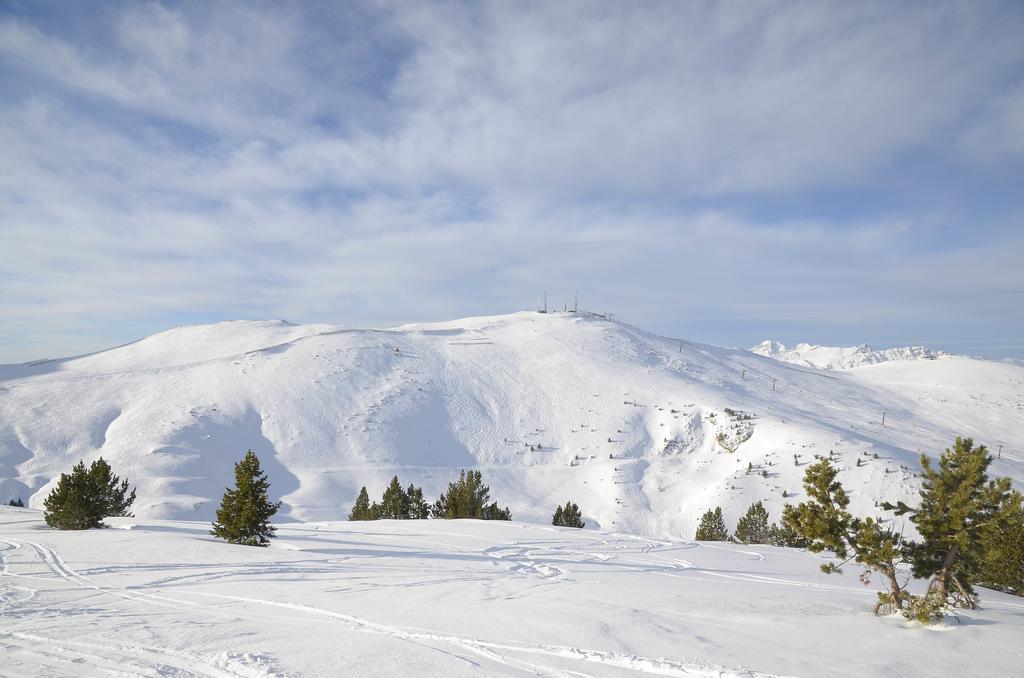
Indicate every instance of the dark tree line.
{"type": "Point", "coordinates": [466, 497]}
{"type": "Point", "coordinates": [752, 528]}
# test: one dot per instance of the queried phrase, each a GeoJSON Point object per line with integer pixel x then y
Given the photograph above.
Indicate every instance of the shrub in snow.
{"type": "Point", "coordinates": [712, 526]}
{"type": "Point", "coordinates": [83, 498]}
{"type": "Point", "coordinates": [245, 512]}
{"type": "Point", "coordinates": [568, 516]}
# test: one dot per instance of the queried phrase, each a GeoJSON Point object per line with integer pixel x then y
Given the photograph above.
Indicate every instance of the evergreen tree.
{"type": "Point", "coordinates": [825, 521]}
{"type": "Point", "coordinates": [16, 502]}
{"type": "Point", "coordinates": [110, 492]}
{"type": "Point", "coordinates": [712, 526]}
{"type": "Point", "coordinates": [780, 534]}
{"type": "Point", "coordinates": [752, 528]}
{"type": "Point", "coordinates": [83, 498]}
{"type": "Point", "coordinates": [493, 512]}
{"type": "Point", "coordinates": [361, 509]}
{"type": "Point", "coordinates": [467, 498]}
{"type": "Point", "coordinates": [568, 516]}
{"type": "Point", "coordinates": [1002, 565]}
{"type": "Point", "coordinates": [571, 516]}
{"type": "Point", "coordinates": [395, 503]}
{"type": "Point", "coordinates": [245, 512]}
{"type": "Point", "coordinates": [959, 513]}
{"type": "Point", "coordinates": [418, 509]}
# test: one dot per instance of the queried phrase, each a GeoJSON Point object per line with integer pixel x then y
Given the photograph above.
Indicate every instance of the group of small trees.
{"type": "Point", "coordinates": [568, 516]}
{"type": "Point", "coordinates": [395, 504]}
{"type": "Point", "coordinates": [752, 528]}
{"type": "Point", "coordinates": [466, 497]}
{"type": "Point", "coordinates": [16, 502]}
{"type": "Point", "coordinates": [971, 532]}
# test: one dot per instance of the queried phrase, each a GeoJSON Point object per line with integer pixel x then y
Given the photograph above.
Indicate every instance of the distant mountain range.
{"type": "Point", "coordinates": [842, 358]}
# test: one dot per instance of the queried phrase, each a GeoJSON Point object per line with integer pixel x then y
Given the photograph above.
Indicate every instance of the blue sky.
{"type": "Point", "coordinates": [836, 173]}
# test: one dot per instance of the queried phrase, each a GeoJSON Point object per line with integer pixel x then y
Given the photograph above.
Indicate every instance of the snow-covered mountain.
{"type": "Point", "coordinates": [842, 358]}
{"type": "Point", "coordinates": [643, 432]}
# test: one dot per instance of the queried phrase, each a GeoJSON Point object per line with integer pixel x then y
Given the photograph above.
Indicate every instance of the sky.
{"type": "Point", "coordinates": [836, 173]}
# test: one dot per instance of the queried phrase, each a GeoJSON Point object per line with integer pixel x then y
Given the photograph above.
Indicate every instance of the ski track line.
{"type": "Point", "coordinates": [486, 649]}
{"type": "Point", "coordinates": [54, 561]}
{"type": "Point", "coordinates": [57, 565]}
{"type": "Point", "coordinates": [758, 556]}
{"type": "Point", "coordinates": [10, 545]}
{"type": "Point", "coordinates": [157, 660]}
{"type": "Point", "coordinates": [660, 666]}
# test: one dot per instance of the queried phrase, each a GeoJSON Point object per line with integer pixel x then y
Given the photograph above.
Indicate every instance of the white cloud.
{"type": "Point", "coordinates": [391, 163]}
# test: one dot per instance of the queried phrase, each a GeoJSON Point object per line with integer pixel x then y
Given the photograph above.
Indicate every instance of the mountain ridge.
{"type": "Point", "coordinates": [843, 358]}
{"type": "Point", "coordinates": [633, 427]}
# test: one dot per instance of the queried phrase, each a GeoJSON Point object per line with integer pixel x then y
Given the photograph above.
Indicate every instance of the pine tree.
{"type": "Point", "coordinates": [752, 528]}
{"type": "Point", "coordinates": [780, 534]}
{"type": "Point", "coordinates": [110, 491]}
{"type": "Point", "coordinates": [361, 509]}
{"type": "Point", "coordinates": [712, 526]}
{"type": "Point", "coordinates": [395, 503]}
{"type": "Point", "coordinates": [494, 512]}
{"type": "Point", "coordinates": [558, 519]}
{"type": "Point", "coordinates": [1002, 564]}
{"type": "Point", "coordinates": [83, 498]}
{"type": "Point", "coordinates": [825, 521]}
{"type": "Point", "coordinates": [245, 512]}
{"type": "Point", "coordinates": [959, 512]}
{"type": "Point", "coordinates": [16, 502]}
{"type": "Point", "coordinates": [418, 509]}
{"type": "Point", "coordinates": [571, 516]}
{"type": "Point", "coordinates": [467, 498]}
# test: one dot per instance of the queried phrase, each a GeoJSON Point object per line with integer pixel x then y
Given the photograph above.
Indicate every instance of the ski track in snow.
{"type": "Point", "coordinates": [317, 579]}
{"type": "Point", "coordinates": [146, 660]}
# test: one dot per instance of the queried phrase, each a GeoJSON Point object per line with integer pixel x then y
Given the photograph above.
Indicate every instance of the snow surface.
{"type": "Point", "coordinates": [842, 358]}
{"type": "Point", "coordinates": [456, 598]}
{"type": "Point", "coordinates": [550, 406]}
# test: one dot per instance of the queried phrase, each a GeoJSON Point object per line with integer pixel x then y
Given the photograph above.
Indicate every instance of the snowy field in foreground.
{"type": "Point", "coordinates": [449, 598]}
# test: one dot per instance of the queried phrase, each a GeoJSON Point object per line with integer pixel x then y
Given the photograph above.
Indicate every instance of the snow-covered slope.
{"type": "Point", "coordinates": [643, 432]}
{"type": "Point", "coordinates": [457, 598]}
{"type": "Point", "coordinates": [839, 358]}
